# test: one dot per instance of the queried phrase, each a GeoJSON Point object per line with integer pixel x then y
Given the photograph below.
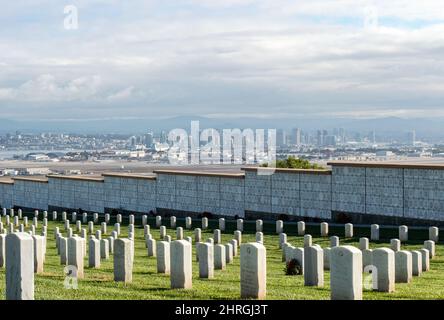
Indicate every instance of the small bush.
{"type": "Point", "coordinates": [294, 163]}
{"type": "Point", "coordinates": [293, 268]}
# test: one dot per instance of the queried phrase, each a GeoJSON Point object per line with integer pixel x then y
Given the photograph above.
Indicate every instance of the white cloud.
{"type": "Point", "coordinates": [231, 57]}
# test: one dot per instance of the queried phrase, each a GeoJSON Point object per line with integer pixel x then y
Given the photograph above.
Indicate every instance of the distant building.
{"type": "Point", "coordinates": [411, 138]}
{"type": "Point", "coordinates": [281, 138]}
{"type": "Point", "coordinates": [296, 136]}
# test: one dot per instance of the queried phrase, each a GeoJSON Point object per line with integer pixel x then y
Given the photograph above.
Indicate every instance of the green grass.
{"type": "Point", "coordinates": [148, 285]}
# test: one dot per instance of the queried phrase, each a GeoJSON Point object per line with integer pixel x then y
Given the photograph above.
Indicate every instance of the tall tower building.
{"type": "Point", "coordinates": [296, 136]}
{"type": "Point", "coordinates": [411, 138]}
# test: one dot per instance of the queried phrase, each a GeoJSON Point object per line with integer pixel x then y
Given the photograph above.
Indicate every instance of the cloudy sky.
{"type": "Point", "coordinates": [222, 58]}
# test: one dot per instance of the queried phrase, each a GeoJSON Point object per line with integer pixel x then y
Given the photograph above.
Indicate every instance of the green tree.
{"type": "Point", "coordinates": [294, 163]}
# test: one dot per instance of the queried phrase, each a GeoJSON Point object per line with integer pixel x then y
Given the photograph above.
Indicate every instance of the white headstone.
{"type": "Point", "coordinates": [204, 223]}
{"type": "Point", "coordinates": [117, 228]}
{"type": "Point", "coordinates": [301, 228]}
{"type": "Point", "coordinates": [179, 233]}
{"type": "Point", "coordinates": [238, 236]}
{"type": "Point", "coordinates": [430, 245]}
{"type": "Point", "coordinates": [39, 254]}
{"type": "Point", "coordinates": [74, 217]}
{"type": "Point", "coordinates": [434, 234]}
{"type": "Point", "coordinates": [384, 261]}
{"type": "Point", "coordinates": [163, 257]}
{"type": "Point", "coordinates": [85, 217]}
{"type": "Point", "coordinates": [228, 253]}
{"type": "Point", "coordinates": [63, 247]}
{"type": "Point", "coordinates": [98, 235]}
{"type": "Point", "coordinates": [374, 232]}
{"type": "Point", "coordinates": [103, 228]}
{"type": "Point", "coordinates": [151, 246]}
{"type": "Point", "coordinates": [90, 227]}
{"type": "Point", "coordinates": [253, 273]}
{"type": "Point", "coordinates": [158, 221]}
{"type": "Point", "coordinates": [217, 236]}
{"type": "Point", "coordinates": [19, 267]}
{"type": "Point", "coordinates": [403, 233]}
{"type": "Point", "coordinates": [206, 260]}
{"type": "Point", "coordinates": [348, 230]}
{"type": "Point", "coordinates": [313, 266]}
{"type": "Point", "coordinates": [78, 226]}
{"type": "Point", "coordinates": [259, 225]}
{"type": "Point", "coordinates": [425, 257]}
{"type": "Point", "coordinates": [173, 222]}
{"type": "Point", "coordinates": [162, 232]}
{"type": "Point", "coordinates": [144, 220]}
{"type": "Point", "coordinates": [346, 273]}
{"type": "Point", "coordinates": [181, 266]}
{"type": "Point", "coordinates": [219, 257]}
{"type": "Point", "coordinates": [363, 244]}
{"type": "Point", "coordinates": [235, 245]}
{"type": "Point", "coordinates": [395, 245]}
{"type": "Point", "coordinates": [107, 218]}
{"type": "Point", "coordinates": [95, 217]}
{"type": "Point", "coordinates": [334, 241]}
{"type": "Point", "coordinates": [259, 237]}
{"type": "Point", "coordinates": [279, 226]}
{"type": "Point", "coordinates": [324, 229]}
{"type": "Point", "coordinates": [240, 225]}
{"type": "Point", "coordinates": [123, 261]}
{"type": "Point", "coordinates": [119, 218]}
{"type": "Point", "coordinates": [146, 229]}
{"type": "Point", "coordinates": [282, 239]}
{"type": "Point", "coordinates": [2, 250]}
{"type": "Point", "coordinates": [188, 223]}
{"type": "Point", "coordinates": [75, 255]}
{"type": "Point", "coordinates": [94, 252]}
{"type": "Point", "coordinates": [111, 244]}
{"type": "Point", "coordinates": [104, 249]}
{"type": "Point", "coordinates": [416, 263]}
{"type": "Point", "coordinates": [222, 224]}
{"type": "Point", "coordinates": [403, 266]}
{"type": "Point", "coordinates": [197, 235]}
{"type": "Point", "coordinates": [307, 241]}
{"type": "Point", "coordinates": [131, 219]}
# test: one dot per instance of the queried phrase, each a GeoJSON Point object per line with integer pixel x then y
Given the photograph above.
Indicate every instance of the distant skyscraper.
{"type": "Point", "coordinates": [148, 139]}
{"type": "Point", "coordinates": [281, 138]}
{"type": "Point", "coordinates": [373, 136]}
{"type": "Point", "coordinates": [296, 136]}
{"type": "Point", "coordinates": [329, 140]}
{"type": "Point", "coordinates": [411, 137]}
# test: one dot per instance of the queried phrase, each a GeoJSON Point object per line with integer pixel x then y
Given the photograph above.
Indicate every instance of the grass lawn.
{"type": "Point", "coordinates": [148, 285]}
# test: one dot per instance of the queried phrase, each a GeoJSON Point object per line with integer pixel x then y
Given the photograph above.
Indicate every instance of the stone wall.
{"type": "Point", "coordinates": [424, 194]}
{"type": "Point", "coordinates": [76, 193]}
{"type": "Point", "coordinates": [133, 193]}
{"type": "Point", "coordinates": [198, 193]}
{"type": "Point", "coordinates": [6, 194]}
{"type": "Point", "coordinates": [28, 193]}
{"type": "Point", "coordinates": [292, 192]}
{"type": "Point", "coordinates": [388, 191]}
{"type": "Point", "coordinates": [365, 192]}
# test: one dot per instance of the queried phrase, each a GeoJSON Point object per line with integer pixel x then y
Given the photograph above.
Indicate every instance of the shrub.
{"type": "Point", "coordinates": [294, 163]}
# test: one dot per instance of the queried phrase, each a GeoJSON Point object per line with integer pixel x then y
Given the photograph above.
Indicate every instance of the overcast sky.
{"type": "Point", "coordinates": [222, 58]}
